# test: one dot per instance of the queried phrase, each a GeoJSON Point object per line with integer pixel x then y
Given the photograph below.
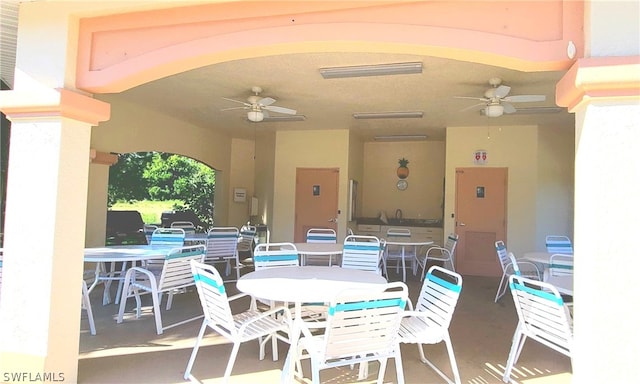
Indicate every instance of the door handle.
{"type": "Point", "coordinates": [461, 224]}
{"type": "Point", "coordinates": [334, 220]}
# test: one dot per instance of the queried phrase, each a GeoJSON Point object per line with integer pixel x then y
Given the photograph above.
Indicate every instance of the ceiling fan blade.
{"type": "Point", "coordinates": [475, 106]}
{"type": "Point", "coordinates": [525, 98]}
{"type": "Point", "coordinates": [275, 108]}
{"type": "Point", "coordinates": [502, 91]}
{"type": "Point", "coordinates": [232, 108]}
{"type": "Point", "coordinates": [472, 98]}
{"type": "Point", "coordinates": [238, 101]}
{"type": "Point", "coordinates": [508, 108]}
{"type": "Point", "coordinates": [266, 101]}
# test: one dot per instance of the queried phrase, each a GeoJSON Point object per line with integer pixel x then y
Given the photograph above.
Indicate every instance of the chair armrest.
{"type": "Point", "coordinates": [530, 264]}
{"type": "Point", "coordinates": [441, 249]}
{"type": "Point", "coordinates": [271, 312]}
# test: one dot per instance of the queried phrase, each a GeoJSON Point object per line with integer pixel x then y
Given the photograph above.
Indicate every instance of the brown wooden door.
{"type": "Point", "coordinates": [316, 200]}
{"type": "Point", "coordinates": [481, 219]}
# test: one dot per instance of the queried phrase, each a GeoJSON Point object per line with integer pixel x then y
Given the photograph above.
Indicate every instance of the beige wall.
{"type": "Point", "coordinates": [241, 176]}
{"type": "Point", "coordinates": [423, 198]}
{"type": "Point", "coordinates": [518, 149]}
{"type": "Point", "coordinates": [306, 149]}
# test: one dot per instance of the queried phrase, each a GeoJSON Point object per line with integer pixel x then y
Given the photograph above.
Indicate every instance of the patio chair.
{"type": "Point", "coordinates": [168, 236]}
{"type": "Point", "coordinates": [362, 252]}
{"type": "Point", "coordinates": [244, 326]}
{"type": "Point", "coordinates": [511, 266]}
{"type": "Point", "coordinates": [394, 252]}
{"type": "Point", "coordinates": [247, 238]}
{"type": "Point", "coordinates": [174, 277]}
{"type": "Point", "coordinates": [222, 247]}
{"type": "Point", "coordinates": [362, 326]}
{"type": "Point", "coordinates": [320, 235]}
{"type": "Point", "coordinates": [559, 244]}
{"type": "Point", "coordinates": [269, 255]}
{"type": "Point", "coordinates": [86, 305]}
{"type": "Point", "coordinates": [429, 322]}
{"type": "Point", "coordinates": [444, 254]}
{"type": "Point", "coordinates": [560, 273]}
{"type": "Point", "coordinates": [188, 226]}
{"type": "Point", "coordinates": [148, 231]}
{"type": "Point", "coordinates": [542, 316]}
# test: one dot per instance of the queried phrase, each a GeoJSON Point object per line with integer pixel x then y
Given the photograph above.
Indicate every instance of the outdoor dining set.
{"type": "Point", "coordinates": [332, 303]}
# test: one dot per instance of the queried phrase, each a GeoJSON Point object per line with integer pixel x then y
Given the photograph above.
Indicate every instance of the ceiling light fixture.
{"type": "Point", "coordinates": [388, 115]}
{"type": "Point", "coordinates": [400, 138]}
{"type": "Point", "coordinates": [536, 110]}
{"type": "Point", "coordinates": [255, 116]}
{"type": "Point", "coordinates": [285, 118]}
{"type": "Point", "coordinates": [493, 110]}
{"type": "Point", "coordinates": [371, 70]}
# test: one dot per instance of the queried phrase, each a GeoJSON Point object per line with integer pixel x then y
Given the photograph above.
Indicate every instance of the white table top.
{"type": "Point", "coordinates": [537, 257]}
{"type": "Point", "coordinates": [319, 248]}
{"type": "Point", "coordinates": [305, 284]}
{"type": "Point", "coordinates": [126, 253]}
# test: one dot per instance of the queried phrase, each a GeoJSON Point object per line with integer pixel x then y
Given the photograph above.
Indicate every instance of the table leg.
{"type": "Point", "coordinates": [292, 356]}
{"type": "Point", "coordinates": [404, 271]}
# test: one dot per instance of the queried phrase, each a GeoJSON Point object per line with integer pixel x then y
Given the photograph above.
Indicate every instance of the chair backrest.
{"type": "Point", "coordinates": [176, 271]}
{"type": "Point", "coordinates": [213, 296]}
{"type": "Point", "coordinates": [503, 257]}
{"type": "Point", "coordinates": [559, 244]}
{"type": "Point", "coordinates": [450, 244]}
{"type": "Point", "coordinates": [188, 226]}
{"type": "Point", "coordinates": [269, 255]}
{"type": "Point", "coordinates": [362, 252]}
{"type": "Point", "coordinates": [222, 243]}
{"type": "Point", "coordinates": [372, 321]}
{"type": "Point", "coordinates": [542, 313]}
{"type": "Point", "coordinates": [321, 235]}
{"type": "Point", "coordinates": [439, 296]}
{"type": "Point", "coordinates": [514, 264]}
{"type": "Point", "coordinates": [168, 236]}
{"type": "Point", "coordinates": [561, 265]}
{"type": "Point", "coordinates": [247, 237]}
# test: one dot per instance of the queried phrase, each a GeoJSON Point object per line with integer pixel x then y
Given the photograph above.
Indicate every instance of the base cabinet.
{"type": "Point", "coordinates": [434, 234]}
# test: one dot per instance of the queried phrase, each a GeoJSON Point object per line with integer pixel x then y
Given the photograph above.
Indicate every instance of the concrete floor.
{"type": "Point", "coordinates": [481, 331]}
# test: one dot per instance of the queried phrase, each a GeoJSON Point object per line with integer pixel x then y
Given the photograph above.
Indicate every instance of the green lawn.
{"type": "Point", "coordinates": [151, 211]}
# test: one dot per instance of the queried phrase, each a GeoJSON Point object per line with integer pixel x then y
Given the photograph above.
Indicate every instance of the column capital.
{"type": "Point", "coordinates": [19, 104]}
{"type": "Point", "coordinates": [599, 78]}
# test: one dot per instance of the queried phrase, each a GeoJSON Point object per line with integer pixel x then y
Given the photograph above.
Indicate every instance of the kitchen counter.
{"type": "Point", "coordinates": [426, 223]}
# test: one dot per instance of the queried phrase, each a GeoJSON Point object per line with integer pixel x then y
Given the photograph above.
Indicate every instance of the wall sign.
{"type": "Point", "coordinates": [239, 195]}
{"type": "Point", "coordinates": [480, 157]}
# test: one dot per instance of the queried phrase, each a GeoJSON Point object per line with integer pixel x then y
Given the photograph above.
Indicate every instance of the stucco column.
{"type": "Point", "coordinates": [605, 95]}
{"type": "Point", "coordinates": [44, 232]}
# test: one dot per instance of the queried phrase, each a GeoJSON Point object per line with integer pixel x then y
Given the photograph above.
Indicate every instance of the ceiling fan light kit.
{"type": "Point", "coordinates": [496, 100]}
{"type": "Point", "coordinates": [371, 70]}
{"type": "Point", "coordinates": [260, 106]}
{"type": "Point", "coordinates": [388, 115]}
{"type": "Point", "coordinates": [493, 110]}
{"type": "Point", "coordinates": [255, 116]}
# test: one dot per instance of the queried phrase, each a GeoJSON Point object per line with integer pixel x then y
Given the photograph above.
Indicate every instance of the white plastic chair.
{"type": "Point", "coordinates": [394, 252]}
{"type": "Point", "coordinates": [245, 326]}
{"type": "Point", "coordinates": [247, 238]}
{"type": "Point", "coordinates": [542, 316]}
{"type": "Point", "coordinates": [269, 255]}
{"type": "Point", "coordinates": [148, 231]}
{"type": "Point", "coordinates": [559, 244]}
{"type": "Point", "coordinates": [511, 266]}
{"type": "Point", "coordinates": [319, 235]}
{"type": "Point", "coordinates": [429, 322]}
{"type": "Point", "coordinates": [168, 236]}
{"type": "Point", "coordinates": [86, 305]}
{"type": "Point", "coordinates": [188, 226]}
{"type": "Point", "coordinates": [444, 254]}
{"type": "Point", "coordinates": [362, 326]}
{"type": "Point", "coordinates": [560, 273]}
{"type": "Point", "coordinates": [222, 247]}
{"type": "Point", "coordinates": [362, 252]}
{"type": "Point", "coordinates": [173, 278]}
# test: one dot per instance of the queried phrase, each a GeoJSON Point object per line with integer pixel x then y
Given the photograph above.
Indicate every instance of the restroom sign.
{"type": "Point", "coordinates": [480, 157]}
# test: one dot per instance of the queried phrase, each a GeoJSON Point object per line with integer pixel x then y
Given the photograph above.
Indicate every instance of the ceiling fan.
{"type": "Point", "coordinates": [496, 101]}
{"type": "Point", "coordinates": [259, 107]}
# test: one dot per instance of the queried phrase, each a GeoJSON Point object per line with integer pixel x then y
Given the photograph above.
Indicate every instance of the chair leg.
{"type": "Point", "coordinates": [516, 347]}
{"type": "Point", "coordinates": [452, 359]}
{"type": "Point", "coordinates": [156, 311]}
{"type": "Point", "coordinates": [399, 369]}
{"type": "Point", "coordinates": [381, 370]}
{"type": "Point", "coordinates": [87, 306]}
{"type": "Point", "coordinates": [502, 287]}
{"type": "Point", "coordinates": [125, 296]}
{"type": "Point", "coordinates": [232, 360]}
{"type": "Point", "coordinates": [187, 372]}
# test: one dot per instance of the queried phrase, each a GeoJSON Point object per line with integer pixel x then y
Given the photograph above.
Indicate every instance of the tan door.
{"type": "Point", "coordinates": [481, 219]}
{"type": "Point", "coordinates": [316, 200]}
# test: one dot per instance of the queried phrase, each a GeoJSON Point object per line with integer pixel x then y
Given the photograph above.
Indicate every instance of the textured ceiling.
{"type": "Point", "coordinates": [295, 82]}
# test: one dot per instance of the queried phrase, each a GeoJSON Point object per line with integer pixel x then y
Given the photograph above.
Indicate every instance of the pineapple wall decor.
{"type": "Point", "coordinates": [402, 170]}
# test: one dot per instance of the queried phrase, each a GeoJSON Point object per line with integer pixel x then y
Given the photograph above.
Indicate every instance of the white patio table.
{"type": "Point", "coordinates": [127, 255]}
{"type": "Point", "coordinates": [403, 244]}
{"type": "Point", "coordinates": [318, 249]}
{"type": "Point", "coordinates": [306, 284]}
{"type": "Point", "coordinates": [564, 284]}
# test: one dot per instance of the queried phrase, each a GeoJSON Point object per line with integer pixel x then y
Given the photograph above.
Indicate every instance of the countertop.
{"type": "Point", "coordinates": [430, 223]}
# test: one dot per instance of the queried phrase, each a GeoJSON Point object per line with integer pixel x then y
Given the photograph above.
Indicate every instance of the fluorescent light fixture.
{"type": "Point", "coordinates": [285, 118]}
{"type": "Point", "coordinates": [388, 115]}
{"type": "Point", "coordinates": [400, 138]}
{"type": "Point", "coordinates": [536, 110]}
{"type": "Point", "coordinates": [371, 70]}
